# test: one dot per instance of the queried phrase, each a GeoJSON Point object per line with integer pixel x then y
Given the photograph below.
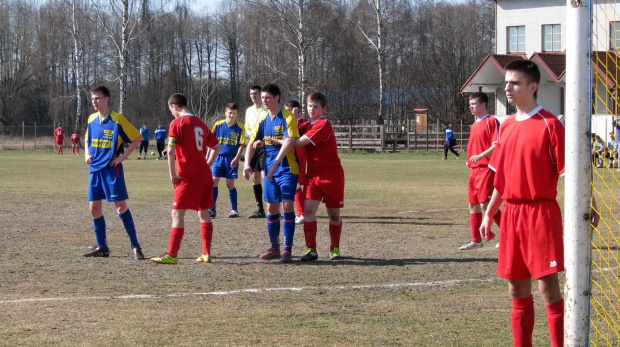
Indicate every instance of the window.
{"type": "Point", "coordinates": [552, 37]}
{"type": "Point", "coordinates": [516, 39]}
{"type": "Point", "coordinates": [614, 35]}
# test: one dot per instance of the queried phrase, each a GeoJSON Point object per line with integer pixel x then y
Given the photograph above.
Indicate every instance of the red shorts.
{"type": "Point", "coordinates": [192, 195]}
{"type": "Point", "coordinates": [59, 140]}
{"type": "Point", "coordinates": [531, 240]}
{"type": "Point", "coordinates": [480, 186]}
{"type": "Point", "coordinates": [327, 187]}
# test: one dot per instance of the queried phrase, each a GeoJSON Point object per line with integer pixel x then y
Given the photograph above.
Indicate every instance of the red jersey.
{"type": "Point", "coordinates": [529, 157]}
{"type": "Point", "coordinates": [59, 134]}
{"type": "Point", "coordinates": [301, 157]}
{"type": "Point", "coordinates": [191, 137]}
{"type": "Point", "coordinates": [322, 153]}
{"type": "Point", "coordinates": [483, 134]}
{"type": "Point", "coordinates": [75, 138]}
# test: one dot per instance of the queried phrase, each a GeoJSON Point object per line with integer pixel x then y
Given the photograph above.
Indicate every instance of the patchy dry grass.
{"type": "Point", "coordinates": [402, 281]}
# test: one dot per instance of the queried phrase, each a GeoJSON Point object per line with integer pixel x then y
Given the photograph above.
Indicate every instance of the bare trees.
{"type": "Point", "coordinates": [376, 60]}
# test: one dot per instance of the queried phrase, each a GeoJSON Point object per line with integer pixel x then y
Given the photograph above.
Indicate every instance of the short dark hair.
{"type": "Point", "coordinates": [101, 89]}
{"type": "Point", "coordinates": [255, 87]}
{"type": "Point", "coordinates": [318, 97]}
{"type": "Point", "coordinates": [232, 106]}
{"type": "Point", "coordinates": [272, 89]}
{"type": "Point", "coordinates": [482, 97]}
{"type": "Point", "coordinates": [528, 67]}
{"type": "Point", "coordinates": [177, 99]}
{"type": "Point", "coordinates": [292, 104]}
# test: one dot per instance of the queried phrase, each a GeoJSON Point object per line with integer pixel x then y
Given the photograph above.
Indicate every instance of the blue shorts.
{"type": "Point", "coordinates": [108, 184]}
{"type": "Point", "coordinates": [282, 187]}
{"type": "Point", "coordinates": [221, 167]}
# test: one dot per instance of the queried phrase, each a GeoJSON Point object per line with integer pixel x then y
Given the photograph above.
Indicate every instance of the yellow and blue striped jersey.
{"type": "Point", "coordinates": [281, 126]}
{"type": "Point", "coordinates": [230, 137]}
{"type": "Point", "coordinates": [103, 138]}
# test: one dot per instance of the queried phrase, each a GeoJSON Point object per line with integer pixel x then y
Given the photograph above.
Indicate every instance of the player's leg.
{"type": "Point", "coordinates": [273, 199]}
{"type": "Point", "coordinates": [549, 288]}
{"type": "Point", "coordinates": [216, 190]}
{"type": "Point", "coordinates": [522, 315]}
{"type": "Point", "coordinates": [299, 204]}
{"type": "Point", "coordinates": [310, 229]}
{"type": "Point", "coordinates": [257, 164]}
{"type": "Point", "coordinates": [446, 145]}
{"type": "Point", "coordinates": [335, 230]}
{"type": "Point", "coordinates": [288, 185]}
{"type": "Point", "coordinates": [206, 236]}
{"type": "Point", "coordinates": [99, 226]}
{"type": "Point", "coordinates": [232, 196]}
{"type": "Point", "coordinates": [176, 236]}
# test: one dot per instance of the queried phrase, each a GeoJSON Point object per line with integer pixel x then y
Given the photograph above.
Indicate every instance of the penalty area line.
{"type": "Point", "coordinates": [246, 291]}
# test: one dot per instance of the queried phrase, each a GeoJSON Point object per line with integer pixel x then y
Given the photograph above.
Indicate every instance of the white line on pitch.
{"type": "Point", "coordinates": [243, 291]}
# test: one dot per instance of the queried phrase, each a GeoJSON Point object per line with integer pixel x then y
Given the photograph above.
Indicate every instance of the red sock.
{"type": "Point", "coordinates": [176, 236]}
{"type": "Point", "coordinates": [475, 220]}
{"type": "Point", "coordinates": [497, 217]}
{"type": "Point", "coordinates": [310, 234]}
{"type": "Point", "coordinates": [334, 234]}
{"type": "Point", "coordinates": [206, 234]}
{"type": "Point", "coordinates": [299, 201]}
{"type": "Point", "coordinates": [522, 321]}
{"type": "Point", "coordinates": [555, 322]}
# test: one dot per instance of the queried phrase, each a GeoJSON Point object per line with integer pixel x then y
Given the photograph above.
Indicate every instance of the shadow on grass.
{"type": "Point", "coordinates": [393, 220]}
{"type": "Point", "coordinates": [354, 261]}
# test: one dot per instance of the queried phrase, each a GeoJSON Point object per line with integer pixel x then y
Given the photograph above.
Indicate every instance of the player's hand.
{"type": "Point", "coordinates": [258, 144]}
{"type": "Point", "coordinates": [246, 172]}
{"type": "Point", "coordinates": [485, 228]}
{"type": "Point", "coordinates": [296, 112]}
{"type": "Point", "coordinates": [474, 158]}
{"type": "Point", "coordinates": [594, 213]}
{"type": "Point", "coordinates": [271, 172]}
{"type": "Point", "coordinates": [175, 180]}
{"type": "Point", "coordinates": [88, 159]}
{"type": "Point", "coordinates": [273, 141]}
{"type": "Point", "coordinates": [234, 163]}
{"type": "Point", "coordinates": [115, 161]}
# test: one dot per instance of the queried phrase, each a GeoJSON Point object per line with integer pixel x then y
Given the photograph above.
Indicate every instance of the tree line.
{"type": "Point", "coordinates": [375, 60]}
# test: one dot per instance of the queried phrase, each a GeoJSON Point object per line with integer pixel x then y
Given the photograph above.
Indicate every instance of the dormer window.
{"type": "Point", "coordinates": [516, 39]}
{"type": "Point", "coordinates": [552, 38]}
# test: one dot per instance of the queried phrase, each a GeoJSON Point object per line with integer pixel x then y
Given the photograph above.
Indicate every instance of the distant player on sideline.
{"type": "Point", "coordinates": [450, 142]}
{"type": "Point", "coordinates": [282, 169]}
{"type": "Point", "coordinates": [75, 144]}
{"type": "Point", "coordinates": [324, 179]}
{"type": "Point", "coordinates": [160, 138]}
{"type": "Point", "coordinates": [105, 133]}
{"type": "Point", "coordinates": [231, 135]}
{"type": "Point", "coordinates": [257, 161]}
{"type": "Point", "coordinates": [59, 137]}
{"type": "Point", "coordinates": [188, 140]}
{"type": "Point", "coordinates": [482, 139]}
{"type": "Point", "coordinates": [528, 160]}
{"type": "Point", "coordinates": [294, 106]}
{"type": "Point", "coordinates": [144, 145]}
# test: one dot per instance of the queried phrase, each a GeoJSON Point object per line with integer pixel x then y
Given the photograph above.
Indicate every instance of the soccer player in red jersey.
{"type": "Point", "coordinates": [294, 106]}
{"type": "Point", "coordinates": [59, 137]}
{"type": "Point", "coordinates": [324, 179]}
{"type": "Point", "coordinates": [75, 144]}
{"type": "Point", "coordinates": [528, 160]}
{"type": "Point", "coordinates": [482, 139]}
{"type": "Point", "coordinates": [188, 140]}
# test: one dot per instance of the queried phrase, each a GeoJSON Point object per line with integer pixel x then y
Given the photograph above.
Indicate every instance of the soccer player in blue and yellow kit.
{"type": "Point", "coordinates": [231, 135]}
{"type": "Point", "coordinates": [281, 166]}
{"type": "Point", "coordinates": [160, 138]}
{"type": "Point", "coordinates": [105, 134]}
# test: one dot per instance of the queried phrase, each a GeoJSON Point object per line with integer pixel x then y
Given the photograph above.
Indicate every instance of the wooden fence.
{"type": "Point", "coordinates": [395, 138]}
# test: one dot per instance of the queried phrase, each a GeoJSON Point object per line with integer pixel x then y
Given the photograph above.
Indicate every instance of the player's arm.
{"type": "Point", "coordinates": [288, 144]}
{"type": "Point", "coordinates": [87, 158]}
{"type": "Point", "coordinates": [487, 220]}
{"type": "Point", "coordinates": [172, 169]}
{"type": "Point", "coordinates": [486, 153]}
{"type": "Point", "coordinates": [235, 162]}
{"type": "Point", "coordinates": [299, 141]}
{"type": "Point", "coordinates": [212, 153]}
{"type": "Point", "coordinates": [132, 147]}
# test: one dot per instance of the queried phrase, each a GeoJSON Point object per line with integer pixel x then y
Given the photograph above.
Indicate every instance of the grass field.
{"type": "Point", "coordinates": [402, 282]}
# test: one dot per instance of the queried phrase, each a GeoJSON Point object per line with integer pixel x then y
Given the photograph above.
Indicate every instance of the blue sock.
{"type": "Point", "coordinates": [99, 224]}
{"type": "Point", "coordinates": [273, 227]}
{"type": "Point", "coordinates": [289, 230]}
{"type": "Point", "coordinates": [232, 194]}
{"type": "Point", "coordinates": [130, 228]}
{"type": "Point", "coordinates": [215, 191]}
